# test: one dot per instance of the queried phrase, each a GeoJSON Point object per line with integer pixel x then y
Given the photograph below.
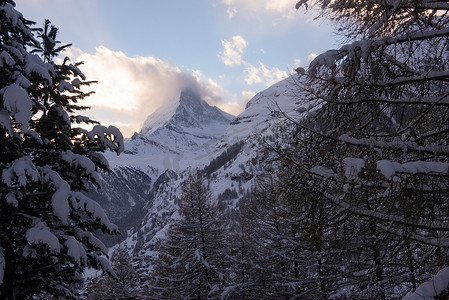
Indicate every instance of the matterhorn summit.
{"type": "Point", "coordinates": [181, 133]}
{"type": "Point", "coordinates": [187, 123]}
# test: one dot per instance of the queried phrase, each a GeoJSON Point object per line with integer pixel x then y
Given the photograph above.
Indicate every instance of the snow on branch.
{"type": "Point", "coordinates": [15, 18]}
{"type": "Point", "coordinates": [390, 168]}
{"type": "Point", "coordinates": [5, 58]}
{"type": "Point", "coordinates": [64, 85]}
{"type": "Point", "coordinates": [422, 223]}
{"type": "Point", "coordinates": [34, 64]}
{"type": "Point", "coordinates": [95, 242]}
{"type": "Point", "coordinates": [353, 166]}
{"type": "Point", "coordinates": [5, 121]}
{"type": "Point", "coordinates": [432, 241]}
{"type": "Point", "coordinates": [78, 160]}
{"type": "Point", "coordinates": [81, 161]}
{"type": "Point", "coordinates": [99, 159]}
{"type": "Point", "coordinates": [383, 19]}
{"type": "Point", "coordinates": [106, 265]}
{"type": "Point", "coordinates": [77, 72]}
{"type": "Point", "coordinates": [11, 198]}
{"type": "Point", "coordinates": [357, 51]}
{"type": "Point", "coordinates": [17, 102]}
{"type": "Point", "coordinates": [361, 49]}
{"type": "Point", "coordinates": [110, 137]}
{"type": "Point", "coordinates": [41, 234]}
{"type": "Point", "coordinates": [83, 203]}
{"type": "Point", "coordinates": [22, 169]}
{"type": "Point", "coordinates": [394, 145]}
{"type": "Point", "coordinates": [59, 200]}
{"type": "Point", "coordinates": [442, 100]}
{"type": "Point", "coordinates": [82, 119]}
{"type": "Point", "coordinates": [76, 250]}
{"type": "Point", "coordinates": [425, 76]}
{"type": "Point", "coordinates": [323, 172]}
{"type": "Point", "coordinates": [11, 13]}
{"type": "Point", "coordinates": [432, 288]}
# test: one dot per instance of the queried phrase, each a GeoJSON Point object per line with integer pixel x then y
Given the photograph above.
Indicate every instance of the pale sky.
{"type": "Point", "coordinates": [144, 52]}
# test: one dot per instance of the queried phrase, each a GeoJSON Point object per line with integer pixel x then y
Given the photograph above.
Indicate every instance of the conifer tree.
{"type": "Point", "coordinates": [191, 260]}
{"type": "Point", "coordinates": [46, 223]}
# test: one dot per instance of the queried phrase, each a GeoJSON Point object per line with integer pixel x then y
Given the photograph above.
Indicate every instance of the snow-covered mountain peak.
{"type": "Point", "coordinates": [189, 114]}
{"type": "Point", "coordinates": [179, 134]}
{"type": "Point", "coordinates": [160, 117]}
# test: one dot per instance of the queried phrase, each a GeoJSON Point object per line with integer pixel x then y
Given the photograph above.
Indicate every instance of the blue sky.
{"type": "Point", "coordinates": [143, 52]}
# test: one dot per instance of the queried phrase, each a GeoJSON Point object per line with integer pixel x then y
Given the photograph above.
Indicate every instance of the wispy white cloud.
{"type": "Point", "coordinates": [131, 88]}
{"type": "Point", "coordinates": [262, 74]}
{"type": "Point", "coordinates": [232, 55]}
{"type": "Point", "coordinates": [284, 8]}
{"type": "Point", "coordinates": [237, 103]}
{"type": "Point", "coordinates": [233, 51]}
{"type": "Point", "coordinates": [297, 63]}
{"type": "Point", "coordinates": [311, 57]}
{"type": "Point", "coordinates": [300, 63]}
{"type": "Point", "coordinates": [231, 11]}
{"type": "Point", "coordinates": [252, 75]}
{"type": "Point", "coordinates": [214, 94]}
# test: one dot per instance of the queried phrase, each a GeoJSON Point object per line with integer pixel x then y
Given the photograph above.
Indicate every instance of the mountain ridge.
{"type": "Point", "coordinates": [179, 134]}
{"type": "Point", "coordinates": [189, 111]}
{"type": "Point", "coordinates": [236, 164]}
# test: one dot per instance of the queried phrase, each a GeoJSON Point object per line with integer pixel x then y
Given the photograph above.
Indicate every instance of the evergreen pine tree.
{"type": "Point", "coordinates": [46, 224]}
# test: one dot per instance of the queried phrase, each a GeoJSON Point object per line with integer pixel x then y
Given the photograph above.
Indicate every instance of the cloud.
{"type": "Point", "coordinates": [238, 104]}
{"type": "Point", "coordinates": [262, 74]}
{"type": "Point", "coordinates": [129, 89]}
{"type": "Point", "coordinates": [300, 63]}
{"type": "Point", "coordinates": [233, 51]}
{"type": "Point", "coordinates": [284, 8]}
{"type": "Point", "coordinates": [231, 12]}
{"type": "Point", "coordinates": [297, 63]}
{"type": "Point", "coordinates": [252, 75]}
{"type": "Point", "coordinates": [214, 94]}
{"type": "Point", "coordinates": [232, 55]}
{"type": "Point", "coordinates": [311, 57]}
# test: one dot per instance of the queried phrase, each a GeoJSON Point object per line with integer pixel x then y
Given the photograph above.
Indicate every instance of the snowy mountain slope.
{"type": "Point", "coordinates": [260, 120]}
{"type": "Point", "coordinates": [180, 134]}
{"type": "Point", "coordinates": [262, 112]}
{"type": "Point", "coordinates": [231, 167]}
